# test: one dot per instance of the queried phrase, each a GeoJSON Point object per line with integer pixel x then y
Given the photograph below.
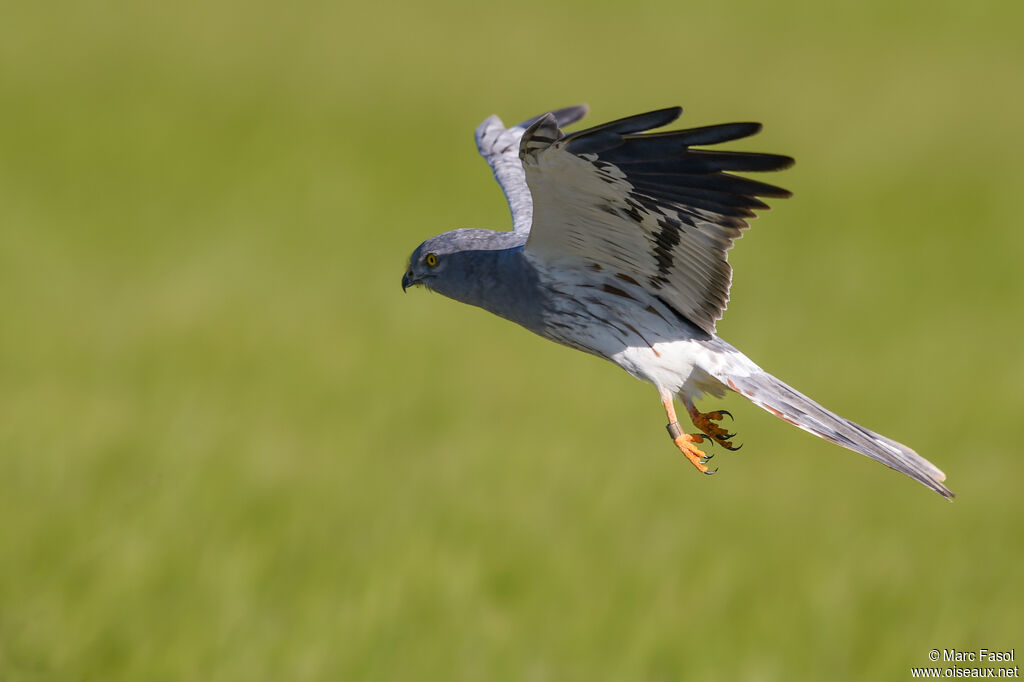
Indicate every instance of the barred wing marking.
{"type": "Point", "coordinates": [646, 205]}
{"type": "Point", "coordinates": [500, 148]}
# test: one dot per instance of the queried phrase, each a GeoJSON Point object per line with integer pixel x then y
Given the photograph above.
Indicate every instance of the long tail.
{"type": "Point", "coordinates": [794, 407]}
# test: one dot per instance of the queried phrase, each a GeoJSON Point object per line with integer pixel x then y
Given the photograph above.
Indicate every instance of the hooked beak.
{"type": "Point", "coordinates": [408, 280]}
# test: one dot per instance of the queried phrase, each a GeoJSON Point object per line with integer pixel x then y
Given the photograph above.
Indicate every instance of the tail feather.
{"type": "Point", "coordinates": [794, 407]}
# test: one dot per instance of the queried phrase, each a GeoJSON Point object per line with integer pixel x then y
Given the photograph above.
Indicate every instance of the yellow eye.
{"type": "Point", "coordinates": [431, 259]}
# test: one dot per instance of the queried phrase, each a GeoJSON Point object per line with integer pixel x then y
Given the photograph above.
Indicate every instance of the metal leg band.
{"type": "Point", "coordinates": [674, 430]}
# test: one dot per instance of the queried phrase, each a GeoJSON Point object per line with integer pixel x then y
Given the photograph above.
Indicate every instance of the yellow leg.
{"type": "Point", "coordinates": [705, 421]}
{"type": "Point", "coordinates": [685, 441]}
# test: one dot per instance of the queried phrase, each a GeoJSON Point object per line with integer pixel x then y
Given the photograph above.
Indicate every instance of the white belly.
{"type": "Point", "coordinates": [639, 333]}
{"type": "Point", "coordinates": [676, 366]}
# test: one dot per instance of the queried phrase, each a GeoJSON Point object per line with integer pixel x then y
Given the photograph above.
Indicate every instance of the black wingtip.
{"type": "Point", "coordinates": [638, 123]}
{"type": "Point", "coordinates": [569, 115]}
{"type": "Point", "coordinates": [782, 162]}
{"type": "Point", "coordinates": [705, 135]}
{"type": "Point", "coordinates": [648, 121]}
{"type": "Point", "coordinates": [563, 117]}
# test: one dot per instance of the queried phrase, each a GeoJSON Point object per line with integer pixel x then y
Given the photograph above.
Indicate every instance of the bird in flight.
{"type": "Point", "coordinates": [618, 248]}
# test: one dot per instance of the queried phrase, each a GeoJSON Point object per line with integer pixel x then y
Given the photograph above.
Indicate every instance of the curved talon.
{"type": "Point", "coordinates": [708, 423]}
{"type": "Point", "coordinates": [711, 472]}
{"type": "Point", "coordinates": [687, 442]}
{"type": "Point", "coordinates": [730, 447]}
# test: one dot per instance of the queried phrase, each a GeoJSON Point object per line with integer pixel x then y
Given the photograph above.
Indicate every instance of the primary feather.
{"type": "Point", "coordinates": [646, 204]}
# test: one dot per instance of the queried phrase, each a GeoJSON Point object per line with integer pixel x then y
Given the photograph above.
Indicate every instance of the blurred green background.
{"type": "Point", "coordinates": [231, 449]}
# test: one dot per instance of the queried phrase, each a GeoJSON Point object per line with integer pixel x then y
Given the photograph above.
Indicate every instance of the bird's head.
{"type": "Point", "coordinates": [429, 262]}
{"type": "Point", "coordinates": [451, 261]}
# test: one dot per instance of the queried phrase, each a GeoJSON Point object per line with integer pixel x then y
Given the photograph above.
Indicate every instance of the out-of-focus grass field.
{"type": "Point", "coordinates": [231, 449]}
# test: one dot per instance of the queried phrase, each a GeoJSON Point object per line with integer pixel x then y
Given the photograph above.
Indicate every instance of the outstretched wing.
{"type": "Point", "coordinates": [646, 205]}
{"type": "Point", "coordinates": [500, 148]}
